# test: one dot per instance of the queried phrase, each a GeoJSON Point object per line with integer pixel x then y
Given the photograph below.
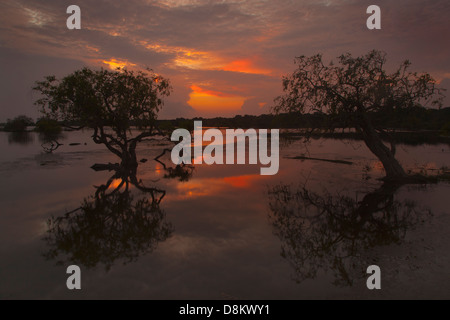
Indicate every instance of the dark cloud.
{"type": "Point", "coordinates": [20, 73]}
{"type": "Point", "coordinates": [173, 110]}
{"type": "Point", "coordinates": [254, 107]}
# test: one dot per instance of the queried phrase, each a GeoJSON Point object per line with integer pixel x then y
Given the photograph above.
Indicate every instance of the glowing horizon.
{"type": "Point", "coordinates": [208, 100]}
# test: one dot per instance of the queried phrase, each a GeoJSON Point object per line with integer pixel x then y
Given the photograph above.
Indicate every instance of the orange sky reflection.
{"type": "Point", "coordinates": [209, 186]}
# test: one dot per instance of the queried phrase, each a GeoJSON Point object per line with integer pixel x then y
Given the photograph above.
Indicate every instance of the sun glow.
{"type": "Point", "coordinates": [208, 100]}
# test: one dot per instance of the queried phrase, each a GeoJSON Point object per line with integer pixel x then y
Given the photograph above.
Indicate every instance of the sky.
{"type": "Point", "coordinates": [222, 57]}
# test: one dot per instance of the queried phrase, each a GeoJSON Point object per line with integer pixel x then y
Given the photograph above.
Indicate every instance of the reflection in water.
{"type": "Point", "coordinates": [23, 138]}
{"type": "Point", "coordinates": [111, 225]}
{"type": "Point", "coordinates": [334, 232]}
{"type": "Point", "coordinates": [182, 172]}
{"type": "Point", "coordinates": [108, 226]}
{"type": "Point", "coordinates": [47, 137]}
{"type": "Point", "coordinates": [50, 141]}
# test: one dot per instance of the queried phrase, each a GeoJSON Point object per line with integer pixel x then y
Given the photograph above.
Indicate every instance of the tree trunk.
{"type": "Point", "coordinates": [129, 159]}
{"type": "Point", "coordinates": [394, 170]}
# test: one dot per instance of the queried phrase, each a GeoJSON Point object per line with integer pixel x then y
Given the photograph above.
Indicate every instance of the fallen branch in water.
{"type": "Point", "coordinates": [319, 159]}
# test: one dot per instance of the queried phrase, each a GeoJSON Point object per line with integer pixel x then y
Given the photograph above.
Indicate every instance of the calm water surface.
{"type": "Point", "coordinates": [227, 232]}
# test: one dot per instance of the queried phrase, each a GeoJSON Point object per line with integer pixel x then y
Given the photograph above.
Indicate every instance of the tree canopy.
{"type": "Point", "coordinates": [18, 124]}
{"type": "Point", "coordinates": [354, 85]}
{"type": "Point", "coordinates": [101, 98]}
{"type": "Point", "coordinates": [354, 88]}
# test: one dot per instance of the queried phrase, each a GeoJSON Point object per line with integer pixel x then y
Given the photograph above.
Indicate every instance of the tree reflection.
{"type": "Point", "coordinates": [182, 172]}
{"type": "Point", "coordinates": [23, 138]}
{"type": "Point", "coordinates": [50, 141]}
{"type": "Point", "coordinates": [121, 221]}
{"type": "Point", "coordinates": [336, 233]}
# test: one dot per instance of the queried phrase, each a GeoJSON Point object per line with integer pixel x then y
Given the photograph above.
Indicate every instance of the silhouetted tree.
{"type": "Point", "coordinates": [336, 232]}
{"type": "Point", "coordinates": [48, 126]}
{"type": "Point", "coordinates": [109, 102]}
{"type": "Point", "coordinates": [353, 89]}
{"type": "Point", "coordinates": [18, 124]}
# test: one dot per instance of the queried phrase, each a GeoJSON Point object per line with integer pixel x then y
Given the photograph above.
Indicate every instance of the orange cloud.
{"type": "Point", "coordinates": [208, 100]}
{"type": "Point", "coordinates": [199, 90]}
{"type": "Point", "coordinates": [203, 60]}
{"type": "Point", "coordinates": [244, 66]}
{"type": "Point", "coordinates": [185, 57]}
{"type": "Point", "coordinates": [113, 64]}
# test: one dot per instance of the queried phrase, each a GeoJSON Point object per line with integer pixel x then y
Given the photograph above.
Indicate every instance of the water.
{"type": "Point", "coordinates": [220, 234]}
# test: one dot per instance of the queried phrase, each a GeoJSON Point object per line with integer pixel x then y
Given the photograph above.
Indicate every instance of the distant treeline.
{"type": "Point", "coordinates": [414, 119]}
{"type": "Point", "coordinates": [22, 123]}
